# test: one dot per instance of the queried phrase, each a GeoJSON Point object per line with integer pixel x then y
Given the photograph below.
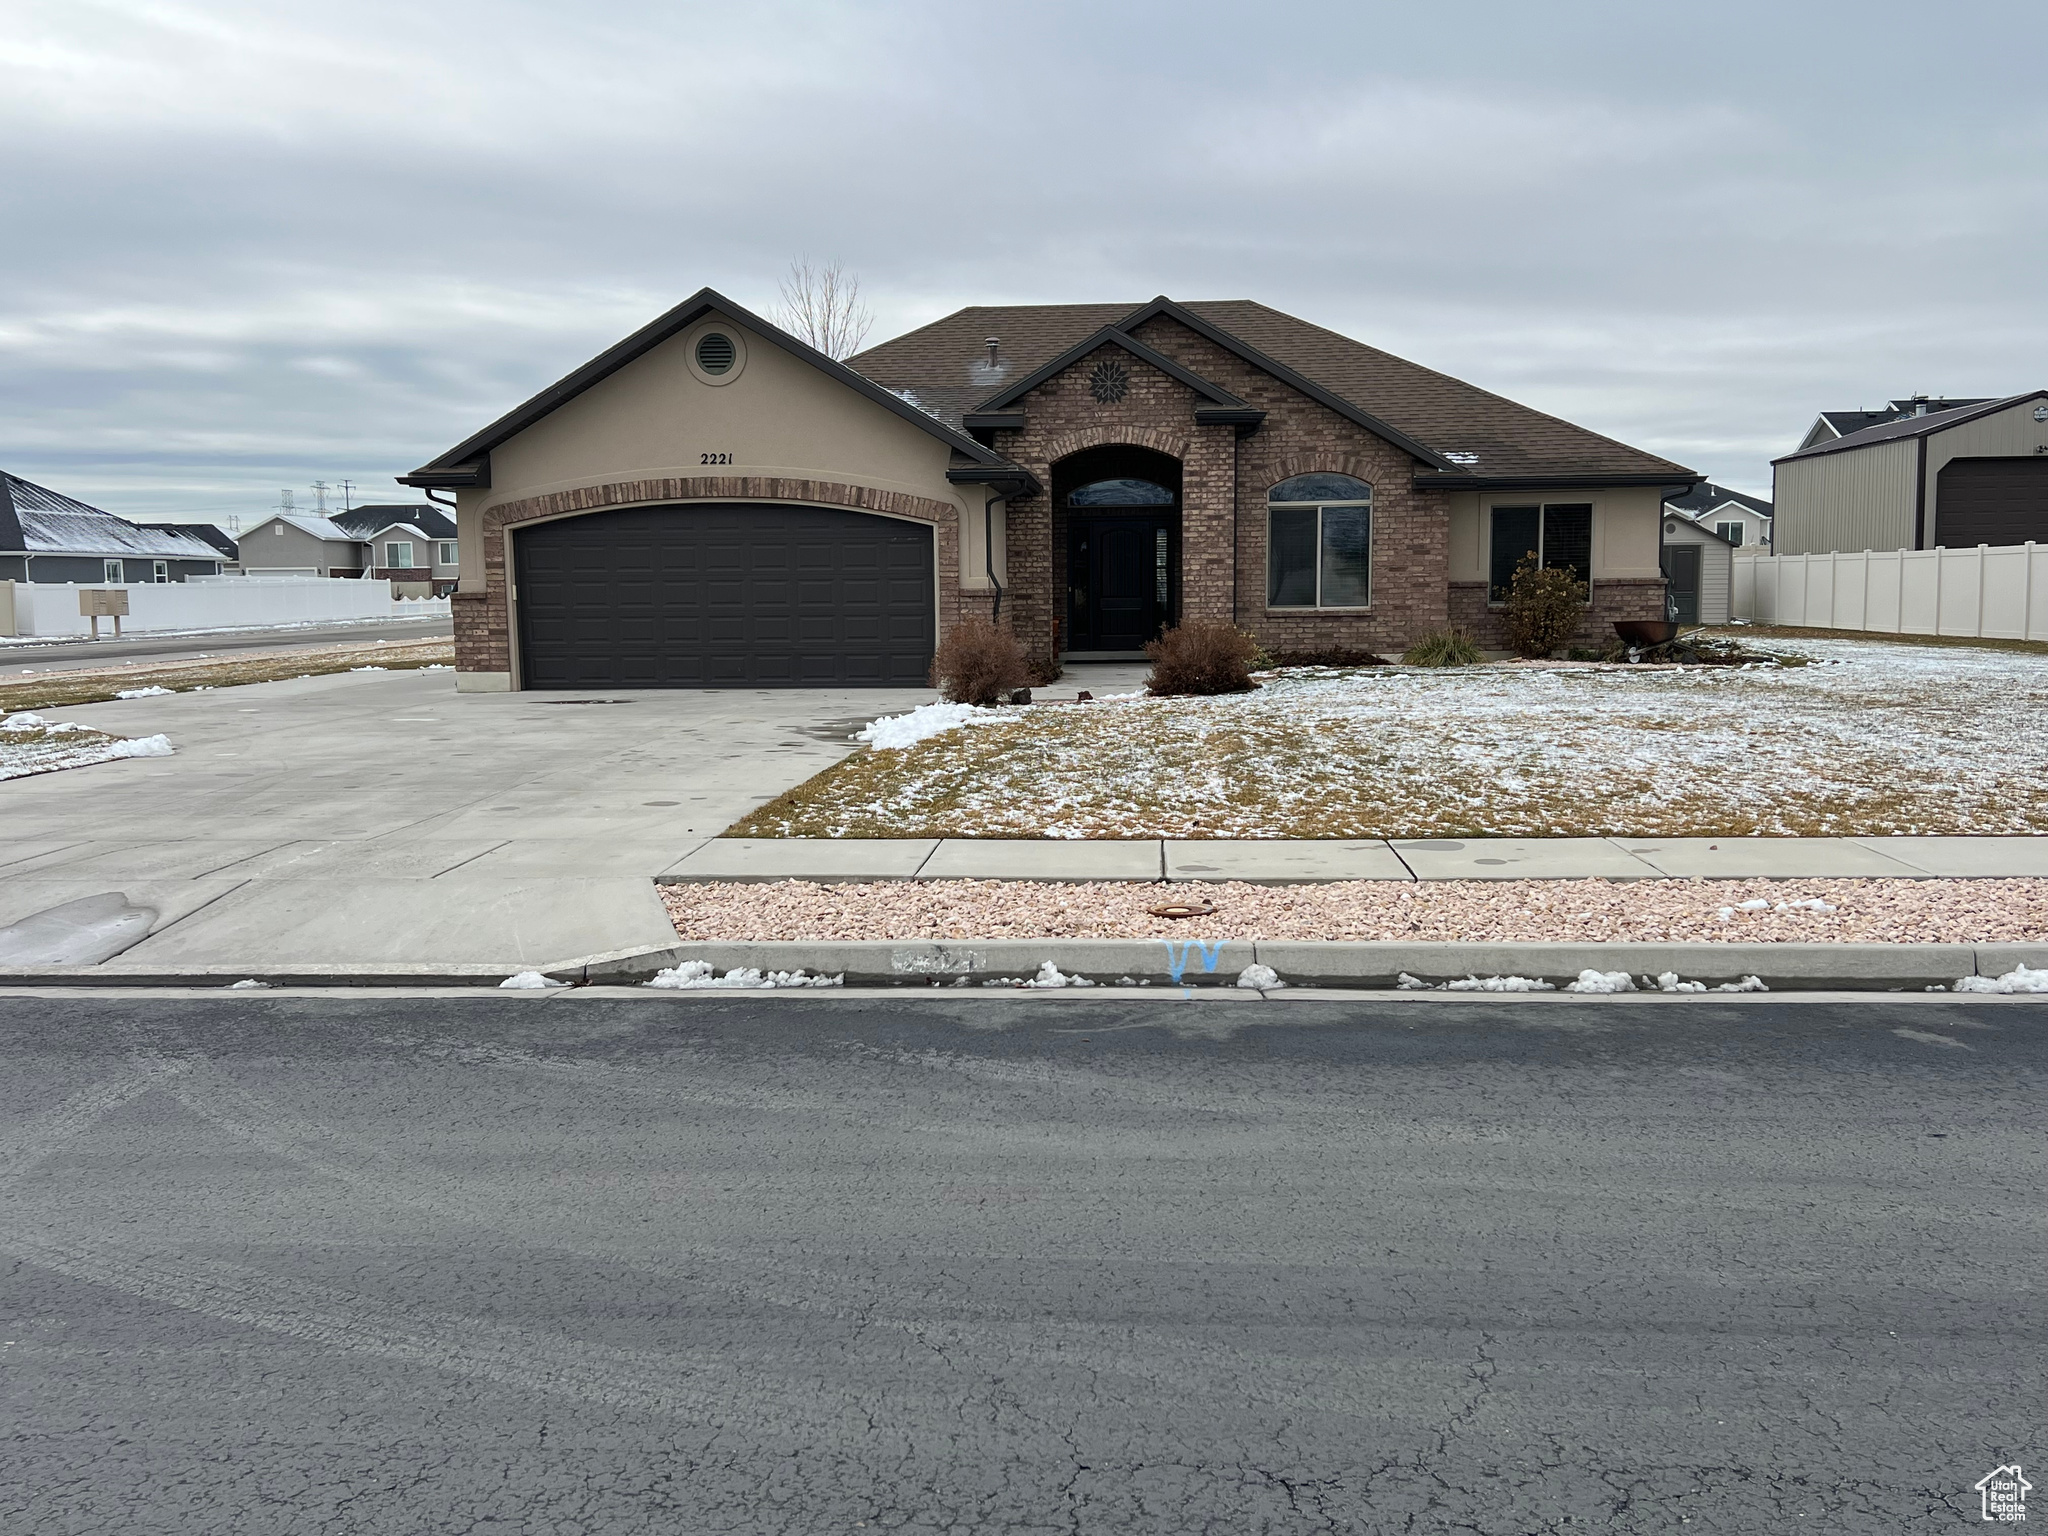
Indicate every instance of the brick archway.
{"type": "Point", "coordinates": [1262, 476]}
{"type": "Point", "coordinates": [1067, 444]}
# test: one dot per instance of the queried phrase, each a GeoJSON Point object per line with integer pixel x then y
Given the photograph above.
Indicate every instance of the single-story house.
{"type": "Point", "coordinates": [1976, 474]}
{"type": "Point", "coordinates": [712, 503]}
{"type": "Point", "coordinates": [1743, 520]}
{"type": "Point", "coordinates": [48, 536]}
{"type": "Point", "coordinates": [1830, 425]}
{"type": "Point", "coordinates": [1699, 562]}
{"type": "Point", "coordinates": [299, 544]}
{"type": "Point", "coordinates": [219, 539]}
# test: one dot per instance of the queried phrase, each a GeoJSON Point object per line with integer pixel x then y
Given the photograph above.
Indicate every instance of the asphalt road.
{"type": "Point", "coordinates": [70, 655]}
{"type": "Point", "coordinates": [804, 1265]}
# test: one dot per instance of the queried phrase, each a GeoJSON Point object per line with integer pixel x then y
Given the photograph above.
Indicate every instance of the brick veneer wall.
{"type": "Point", "coordinates": [1410, 528]}
{"type": "Point", "coordinates": [1224, 480]}
{"type": "Point", "coordinates": [483, 634]}
{"type": "Point", "coordinates": [1611, 600]}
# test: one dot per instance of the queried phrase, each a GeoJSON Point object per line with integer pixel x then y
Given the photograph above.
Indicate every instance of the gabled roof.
{"type": "Point", "coordinates": [1463, 435]}
{"type": "Point", "coordinates": [307, 522]}
{"type": "Point", "coordinates": [366, 522]}
{"type": "Point", "coordinates": [205, 533]}
{"type": "Point", "coordinates": [1693, 522]}
{"type": "Point", "coordinates": [1913, 426]}
{"type": "Point", "coordinates": [468, 462]}
{"type": "Point", "coordinates": [36, 520]}
{"type": "Point", "coordinates": [1220, 406]}
{"type": "Point", "coordinates": [1707, 496]}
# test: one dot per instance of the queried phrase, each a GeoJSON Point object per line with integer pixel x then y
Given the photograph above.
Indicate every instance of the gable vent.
{"type": "Point", "coordinates": [715, 352]}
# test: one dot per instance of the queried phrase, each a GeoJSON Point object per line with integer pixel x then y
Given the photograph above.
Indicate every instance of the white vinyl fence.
{"type": "Point", "coordinates": [1990, 592]}
{"type": "Point", "coordinates": [224, 602]}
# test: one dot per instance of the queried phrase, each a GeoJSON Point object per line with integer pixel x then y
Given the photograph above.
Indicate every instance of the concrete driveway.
{"type": "Point", "coordinates": [380, 817]}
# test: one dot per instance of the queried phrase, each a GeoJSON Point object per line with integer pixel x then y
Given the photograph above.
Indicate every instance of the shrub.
{"type": "Point", "coordinates": [979, 663]}
{"type": "Point", "coordinates": [1443, 648]}
{"type": "Point", "coordinates": [1544, 608]}
{"type": "Point", "coordinates": [1201, 656]}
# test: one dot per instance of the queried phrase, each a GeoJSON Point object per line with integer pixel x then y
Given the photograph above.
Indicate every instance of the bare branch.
{"type": "Point", "coordinates": [821, 305]}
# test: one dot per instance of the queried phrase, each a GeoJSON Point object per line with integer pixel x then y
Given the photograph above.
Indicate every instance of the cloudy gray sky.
{"type": "Point", "coordinates": [247, 245]}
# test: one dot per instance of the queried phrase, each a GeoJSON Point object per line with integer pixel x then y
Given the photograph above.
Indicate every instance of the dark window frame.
{"type": "Point", "coordinates": [1496, 593]}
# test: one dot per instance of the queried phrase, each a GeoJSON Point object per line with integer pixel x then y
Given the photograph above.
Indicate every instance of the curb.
{"type": "Point", "coordinates": [1360, 966]}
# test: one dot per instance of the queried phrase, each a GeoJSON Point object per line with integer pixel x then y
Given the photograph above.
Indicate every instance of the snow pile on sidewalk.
{"type": "Point", "coordinates": [1049, 975]}
{"type": "Point", "coordinates": [2018, 979]}
{"type": "Point", "coordinates": [30, 744]}
{"type": "Point", "coordinates": [696, 974]}
{"type": "Point", "coordinates": [150, 692]}
{"type": "Point", "coordinates": [892, 733]}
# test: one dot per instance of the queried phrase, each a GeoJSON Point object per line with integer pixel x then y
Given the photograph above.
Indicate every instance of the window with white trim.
{"type": "Point", "coordinates": [444, 552]}
{"type": "Point", "coordinates": [110, 572]}
{"type": "Point", "coordinates": [1732, 532]}
{"type": "Point", "coordinates": [1555, 535]}
{"type": "Point", "coordinates": [159, 571]}
{"type": "Point", "coordinates": [398, 555]}
{"type": "Point", "coordinates": [1319, 543]}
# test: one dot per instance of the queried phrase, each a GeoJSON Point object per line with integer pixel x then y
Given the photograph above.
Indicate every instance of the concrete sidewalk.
{"type": "Point", "coordinates": [1300, 863]}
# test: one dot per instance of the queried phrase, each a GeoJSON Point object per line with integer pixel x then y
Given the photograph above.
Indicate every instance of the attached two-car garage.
{"type": "Point", "coordinates": [724, 595]}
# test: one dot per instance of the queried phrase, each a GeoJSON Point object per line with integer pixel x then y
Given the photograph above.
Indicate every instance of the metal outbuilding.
{"type": "Point", "coordinates": [1958, 478]}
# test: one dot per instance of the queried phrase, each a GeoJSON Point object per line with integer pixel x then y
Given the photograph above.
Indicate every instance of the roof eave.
{"type": "Point", "coordinates": [705, 301]}
{"type": "Point", "coordinates": [1286, 375]}
{"type": "Point", "coordinates": [1677, 479]}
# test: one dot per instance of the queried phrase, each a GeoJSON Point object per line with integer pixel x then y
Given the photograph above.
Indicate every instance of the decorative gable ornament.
{"type": "Point", "coordinates": [1110, 382]}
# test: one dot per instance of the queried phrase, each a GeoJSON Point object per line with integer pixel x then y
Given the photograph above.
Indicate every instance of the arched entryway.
{"type": "Point", "coordinates": [1117, 524]}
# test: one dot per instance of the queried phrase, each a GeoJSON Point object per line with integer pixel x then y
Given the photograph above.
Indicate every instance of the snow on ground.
{"type": "Point", "coordinates": [1480, 911]}
{"type": "Point", "coordinates": [1873, 738]}
{"type": "Point", "coordinates": [892, 733]}
{"type": "Point", "coordinates": [31, 744]}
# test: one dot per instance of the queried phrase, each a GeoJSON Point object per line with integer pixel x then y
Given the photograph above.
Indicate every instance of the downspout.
{"type": "Point", "coordinates": [988, 551]}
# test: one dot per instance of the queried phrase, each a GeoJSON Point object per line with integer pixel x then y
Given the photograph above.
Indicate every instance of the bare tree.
{"type": "Point", "coordinates": [821, 305]}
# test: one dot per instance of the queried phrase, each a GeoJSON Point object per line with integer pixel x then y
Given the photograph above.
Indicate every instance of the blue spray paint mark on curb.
{"type": "Point", "coordinates": [1178, 954]}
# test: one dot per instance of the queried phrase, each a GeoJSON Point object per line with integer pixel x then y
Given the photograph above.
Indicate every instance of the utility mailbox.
{"type": "Point", "coordinates": [98, 603]}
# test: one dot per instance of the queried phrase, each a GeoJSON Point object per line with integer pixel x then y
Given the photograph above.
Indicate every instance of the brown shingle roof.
{"type": "Point", "coordinates": [943, 367]}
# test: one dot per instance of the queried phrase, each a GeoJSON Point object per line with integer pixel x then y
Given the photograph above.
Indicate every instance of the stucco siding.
{"type": "Point", "coordinates": [1858, 499]}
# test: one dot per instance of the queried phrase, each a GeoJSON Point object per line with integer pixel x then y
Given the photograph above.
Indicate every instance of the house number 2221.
{"type": "Point", "coordinates": [714, 458]}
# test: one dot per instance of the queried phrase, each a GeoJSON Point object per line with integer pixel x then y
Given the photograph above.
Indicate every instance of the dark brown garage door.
{"type": "Point", "coordinates": [724, 596]}
{"type": "Point", "coordinates": [1991, 501]}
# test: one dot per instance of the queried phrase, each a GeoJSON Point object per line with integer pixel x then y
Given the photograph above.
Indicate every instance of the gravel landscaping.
{"type": "Point", "coordinates": [1871, 738]}
{"type": "Point", "coordinates": [1481, 911]}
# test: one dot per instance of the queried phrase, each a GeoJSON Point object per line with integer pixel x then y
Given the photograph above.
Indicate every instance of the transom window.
{"type": "Point", "coordinates": [1120, 493]}
{"type": "Point", "coordinates": [1319, 543]}
{"type": "Point", "coordinates": [1557, 536]}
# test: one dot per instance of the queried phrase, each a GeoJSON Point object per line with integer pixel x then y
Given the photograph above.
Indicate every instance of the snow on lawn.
{"type": "Point", "coordinates": [30, 744]}
{"type": "Point", "coordinates": [1873, 738]}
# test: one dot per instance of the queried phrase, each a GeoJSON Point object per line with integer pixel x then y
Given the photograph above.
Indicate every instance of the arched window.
{"type": "Point", "coordinates": [1319, 542]}
{"type": "Point", "coordinates": [1120, 493]}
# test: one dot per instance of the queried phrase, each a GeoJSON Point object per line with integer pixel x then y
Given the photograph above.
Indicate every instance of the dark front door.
{"type": "Point", "coordinates": [1119, 581]}
{"type": "Point", "coordinates": [734, 595]}
{"type": "Point", "coordinates": [1682, 570]}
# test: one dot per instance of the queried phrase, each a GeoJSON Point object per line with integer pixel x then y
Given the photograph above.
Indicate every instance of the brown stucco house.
{"type": "Point", "coordinates": [711, 503]}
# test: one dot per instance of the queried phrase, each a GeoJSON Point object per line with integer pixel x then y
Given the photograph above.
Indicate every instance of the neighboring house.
{"type": "Point", "coordinates": [1743, 520]}
{"type": "Point", "coordinates": [46, 536]}
{"type": "Point", "coordinates": [219, 539]}
{"type": "Point", "coordinates": [1699, 562]}
{"type": "Point", "coordinates": [414, 541]}
{"type": "Point", "coordinates": [712, 503]}
{"type": "Point", "coordinates": [1976, 474]}
{"type": "Point", "coordinates": [299, 544]}
{"type": "Point", "coordinates": [1830, 425]}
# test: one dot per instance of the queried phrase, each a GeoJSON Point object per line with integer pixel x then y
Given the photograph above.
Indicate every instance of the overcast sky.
{"type": "Point", "coordinates": [248, 245]}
